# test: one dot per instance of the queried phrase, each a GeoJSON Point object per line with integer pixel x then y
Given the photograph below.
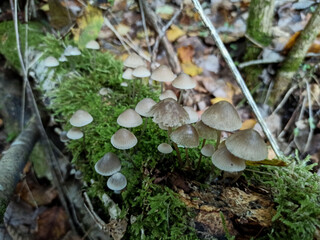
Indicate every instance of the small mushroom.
{"type": "Point", "coordinates": [108, 165]}
{"type": "Point", "coordinates": [133, 61]}
{"type": "Point", "coordinates": [117, 182]}
{"type": "Point", "coordinates": [193, 115]}
{"type": "Point", "coordinates": [93, 44]}
{"type": "Point", "coordinates": [141, 72]}
{"type": "Point", "coordinates": [163, 74]}
{"type": "Point", "coordinates": [127, 74]}
{"type": "Point", "coordinates": [51, 62]}
{"type": "Point", "coordinates": [80, 118]}
{"type": "Point", "coordinates": [247, 144]}
{"type": "Point", "coordinates": [129, 119]}
{"type": "Point", "coordinates": [165, 148]}
{"type": "Point", "coordinates": [168, 94]}
{"type": "Point", "coordinates": [183, 82]}
{"type": "Point", "coordinates": [123, 139]}
{"type": "Point", "coordinates": [207, 150]}
{"type": "Point", "coordinates": [143, 107]}
{"type": "Point", "coordinates": [74, 133]}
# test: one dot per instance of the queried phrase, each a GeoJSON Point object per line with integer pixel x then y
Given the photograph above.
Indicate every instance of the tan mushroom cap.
{"type": "Point", "coordinates": [222, 116]}
{"type": "Point", "coordinates": [163, 74]}
{"type": "Point", "coordinates": [184, 81]}
{"type": "Point", "coordinates": [248, 145]}
{"type": "Point", "coordinates": [162, 127]}
{"type": "Point", "coordinates": [133, 61]}
{"type": "Point", "coordinates": [165, 148]}
{"type": "Point", "coordinates": [206, 132]}
{"type": "Point", "coordinates": [169, 113]}
{"type": "Point", "coordinates": [74, 133]}
{"type": "Point", "coordinates": [129, 119]}
{"type": "Point", "coordinates": [117, 182]}
{"type": "Point", "coordinates": [127, 74]}
{"type": "Point", "coordinates": [144, 106]}
{"type": "Point", "coordinates": [207, 150]}
{"type": "Point", "coordinates": [123, 139]}
{"type": "Point", "coordinates": [80, 118]}
{"type": "Point", "coordinates": [141, 72]}
{"type": "Point", "coordinates": [51, 62]}
{"type": "Point", "coordinates": [186, 136]}
{"type": "Point", "coordinates": [93, 44]}
{"type": "Point", "coordinates": [193, 115]}
{"type": "Point", "coordinates": [225, 161]}
{"type": "Point", "coordinates": [168, 94]}
{"type": "Point", "coordinates": [109, 164]}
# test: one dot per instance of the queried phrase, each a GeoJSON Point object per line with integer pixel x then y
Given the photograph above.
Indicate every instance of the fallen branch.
{"type": "Point", "coordinates": [238, 77]}
{"type": "Point", "coordinates": [14, 160]}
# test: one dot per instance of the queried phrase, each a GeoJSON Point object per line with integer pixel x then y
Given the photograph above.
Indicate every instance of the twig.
{"type": "Point", "coordinates": [238, 77]}
{"type": "Point", "coordinates": [285, 98]}
{"type": "Point", "coordinates": [310, 135]}
{"type": "Point", "coordinates": [163, 33]}
{"type": "Point", "coordinates": [259, 61]}
{"type": "Point", "coordinates": [145, 27]}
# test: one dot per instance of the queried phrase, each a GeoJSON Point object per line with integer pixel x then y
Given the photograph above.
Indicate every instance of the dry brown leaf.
{"type": "Point", "coordinates": [174, 33]}
{"type": "Point", "coordinates": [123, 29]}
{"type": "Point", "coordinates": [191, 69]}
{"type": "Point", "coordinates": [185, 54]}
{"type": "Point", "coordinates": [247, 124]}
{"type": "Point", "coordinates": [52, 224]}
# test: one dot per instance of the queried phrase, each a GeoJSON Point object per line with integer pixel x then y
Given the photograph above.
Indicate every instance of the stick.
{"type": "Point", "coordinates": [238, 77]}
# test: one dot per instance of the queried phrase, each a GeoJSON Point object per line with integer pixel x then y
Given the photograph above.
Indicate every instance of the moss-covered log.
{"type": "Point", "coordinates": [259, 30]}
{"type": "Point", "coordinates": [14, 160]}
{"type": "Point", "coordinates": [295, 57]}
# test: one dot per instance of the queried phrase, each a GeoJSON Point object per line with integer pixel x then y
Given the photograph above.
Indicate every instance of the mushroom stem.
{"type": "Point", "coordinates": [169, 133]}
{"type": "Point", "coordinates": [178, 153]}
{"type": "Point", "coordinates": [218, 138]}
{"type": "Point", "coordinates": [200, 158]}
{"type": "Point", "coordinates": [133, 89]}
{"type": "Point", "coordinates": [144, 127]}
{"type": "Point", "coordinates": [180, 97]}
{"type": "Point", "coordinates": [187, 158]}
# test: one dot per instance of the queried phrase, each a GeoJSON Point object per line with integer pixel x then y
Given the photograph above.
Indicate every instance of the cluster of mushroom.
{"type": "Point", "coordinates": [69, 51]}
{"type": "Point", "coordinates": [78, 120]}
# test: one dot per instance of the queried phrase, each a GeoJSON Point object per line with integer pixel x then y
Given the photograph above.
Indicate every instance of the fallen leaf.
{"type": "Point", "coordinates": [89, 25]}
{"type": "Point", "coordinates": [60, 16]}
{"type": "Point", "coordinates": [174, 33]}
{"type": "Point", "coordinates": [272, 162]}
{"type": "Point", "coordinates": [165, 11]}
{"type": "Point", "coordinates": [219, 99]}
{"type": "Point", "coordinates": [123, 29]}
{"type": "Point", "coordinates": [185, 54]}
{"type": "Point", "coordinates": [191, 69]}
{"type": "Point", "coordinates": [247, 124]}
{"type": "Point", "coordinates": [52, 224]}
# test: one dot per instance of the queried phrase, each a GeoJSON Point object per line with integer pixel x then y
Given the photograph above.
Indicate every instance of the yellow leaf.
{"type": "Point", "coordinates": [45, 7]}
{"type": "Point", "coordinates": [247, 124]}
{"type": "Point", "coordinates": [89, 25]}
{"type": "Point", "coordinates": [272, 162]}
{"type": "Point", "coordinates": [174, 33]}
{"type": "Point", "coordinates": [122, 29]}
{"type": "Point", "coordinates": [191, 69]}
{"type": "Point", "coordinates": [219, 99]}
{"type": "Point", "coordinates": [185, 54]}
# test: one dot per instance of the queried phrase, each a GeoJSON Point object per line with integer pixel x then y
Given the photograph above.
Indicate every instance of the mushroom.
{"type": "Point", "coordinates": [62, 58]}
{"type": "Point", "coordinates": [93, 44]}
{"type": "Point", "coordinates": [141, 72]}
{"type": "Point", "coordinates": [117, 182]}
{"type": "Point", "coordinates": [183, 82]}
{"type": "Point", "coordinates": [51, 62]}
{"type": "Point", "coordinates": [165, 148]}
{"type": "Point", "coordinates": [108, 165]}
{"type": "Point", "coordinates": [207, 150]}
{"type": "Point", "coordinates": [193, 115]}
{"type": "Point", "coordinates": [163, 74]}
{"type": "Point", "coordinates": [129, 119]}
{"type": "Point", "coordinates": [123, 139]}
{"type": "Point", "coordinates": [186, 136]}
{"type": "Point", "coordinates": [74, 133]}
{"type": "Point", "coordinates": [143, 107]}
{"type": "Point", "coordinates": [80, 118]}
{"type": "Point", "coordinates": [168, 94]}
{"type": "Point", "coordinates": [133, 61]}
{"type": "Point", "coordinates": [247, 144]}
{"type": "Point", "coordinates": [222, 116]}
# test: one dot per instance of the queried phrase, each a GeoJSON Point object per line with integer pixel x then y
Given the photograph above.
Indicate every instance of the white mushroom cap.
{"type": "Point", "coordinates": [67, 50]}
{"type": "Point", "coordinates": [51, 62]}
{"type": "Point", "coordinates": [80, 118]}
{"type": "Point", "coordinates": [222, 116]}
{"type": "Point", "coordinates": [133, 61]}
{"type": "Point", "coordinates": [161, 126]}
{"type": "Point", "coordinates": [105, 91]}
{"type": "Point", "coordinates": [225, 161]}
{"type": "Point", "coordinates": [186, 136]}
{"type": "Point", "coordinates": [117, 182]}
{"type": "Point", "coordinates": [207, 150]}
{"type": "Point", "coordinates": [109, 164]}
{"type": "Point", "coordinates": [63, 58]}
{"type": "Point", "coordinates": [168, 94]}
{"type": "Point", "coordinates": [193, 115]}
{"type": "Point", "coordinates": [129, 119]}
{"type": "Point", "coordinates": [75, 51]}
{"type": "Point", "coordinates": [143, 107]}
{"type": "Point", "coordinates": [247, 144]}
{"type": "Point", "coordinates": [123, 139]}
{"type": "Point", "coordinates": [163, 74]}
{"type": "Point", "coordinates": [165, 148]}
{"type": "Point", "coordinates": [74, 133]}
{"type": "Point", "coordinates": [184, 81]}
{"type": "Point", "coordinates": [141, 72]}
{"type": "Point", "coordinates": [93, 44]}
{"type": "Point", "coordinates": [127, 74]}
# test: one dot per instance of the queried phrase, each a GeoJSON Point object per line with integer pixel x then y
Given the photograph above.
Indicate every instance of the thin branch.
{"type": "Point", "coordinates": [238, 77]}
{"type": "Point", "coordinates": [310, 135]}
{"type": "Point", "coordinates": [285, 98]}
{"type": "Point", "coordinates": [145, 27]}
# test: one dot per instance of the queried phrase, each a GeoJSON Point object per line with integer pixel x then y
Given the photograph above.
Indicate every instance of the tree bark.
{"type": "Point", "coordinates": [13, 162]}
{"type": "Point", "coordinates": [295, 57]}
{"type": "Point", "coordinates": [259, 25]}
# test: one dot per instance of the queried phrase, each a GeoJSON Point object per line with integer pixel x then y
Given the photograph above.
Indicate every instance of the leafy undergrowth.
{"type": "Point", "coordinates": [155, 210]}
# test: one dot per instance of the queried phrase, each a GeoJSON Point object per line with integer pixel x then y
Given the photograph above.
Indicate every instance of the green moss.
{"type": "Point", "coordinates": [291, 64]}
{"type": "Point", "coordinates": [8, 44]}
{"type": "Point", "coordinates": [296, 192]}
